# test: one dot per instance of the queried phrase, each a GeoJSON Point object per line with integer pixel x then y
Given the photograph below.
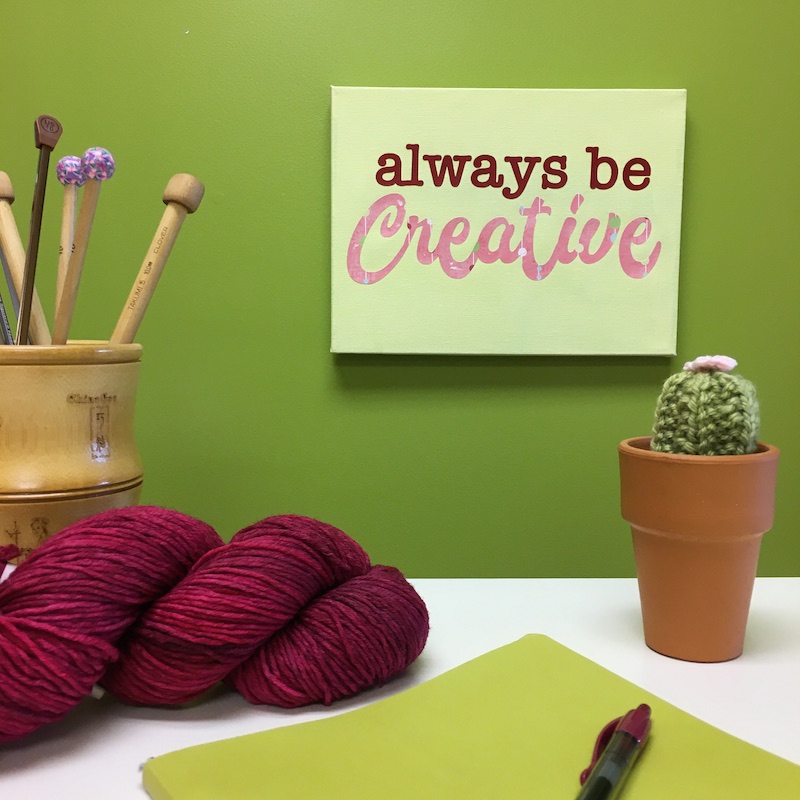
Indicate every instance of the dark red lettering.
{"type": "Point", "coordinates": [597, 160]}
{"type": "Point", "coordinates": [636, 168]}
{"type": "Point", "coordinates": [554, 177]}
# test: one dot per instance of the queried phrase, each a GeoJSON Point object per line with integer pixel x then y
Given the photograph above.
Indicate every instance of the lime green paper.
{"type": "Point", "coordinates": [593, 176]}
{"type": "Point", "coordinates": [518, 722]}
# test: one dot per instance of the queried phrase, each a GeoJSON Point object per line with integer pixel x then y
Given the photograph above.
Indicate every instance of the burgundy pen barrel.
{"type": "Point", "coordinates": [600, 790]}
{"type": "Point", "coordinates": [612, 768]}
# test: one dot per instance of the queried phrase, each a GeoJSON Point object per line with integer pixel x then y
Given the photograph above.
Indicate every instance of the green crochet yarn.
{"type": "Point", "coordinates": [706, 413]}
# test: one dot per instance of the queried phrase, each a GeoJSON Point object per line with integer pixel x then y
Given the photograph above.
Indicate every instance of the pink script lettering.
{"type": "Point", "coordinates": [387, 217]}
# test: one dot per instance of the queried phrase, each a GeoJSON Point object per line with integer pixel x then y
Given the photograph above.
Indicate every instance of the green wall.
{"type": "Point", "coordinates": [462, 466]}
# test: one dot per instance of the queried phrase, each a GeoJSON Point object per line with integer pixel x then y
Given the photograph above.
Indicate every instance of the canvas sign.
{"type": "Point", "coordinates": [506, 221]}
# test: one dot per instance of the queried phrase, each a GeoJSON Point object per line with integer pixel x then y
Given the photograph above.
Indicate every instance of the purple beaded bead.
{"type": "Point", "coordinates": [69, 171]}
{"type": "Point", "coordinates": [98, 164]}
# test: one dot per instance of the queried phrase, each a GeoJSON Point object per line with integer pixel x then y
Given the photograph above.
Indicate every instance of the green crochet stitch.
{"type": "Point", "coordinates": [706, 411]}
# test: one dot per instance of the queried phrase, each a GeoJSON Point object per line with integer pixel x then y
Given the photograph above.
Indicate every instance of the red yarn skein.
{"type": "Point", "coordinates": [154, 606]}
{"type": "Point", "coordinates": [65, 607]}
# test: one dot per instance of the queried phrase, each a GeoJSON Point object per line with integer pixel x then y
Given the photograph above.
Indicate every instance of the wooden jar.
{"type": "Point", "coordinates": [67, 446]}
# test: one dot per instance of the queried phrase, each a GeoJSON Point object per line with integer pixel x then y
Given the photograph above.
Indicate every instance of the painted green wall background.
{"type": "Point", "coordinates": [460, 466]}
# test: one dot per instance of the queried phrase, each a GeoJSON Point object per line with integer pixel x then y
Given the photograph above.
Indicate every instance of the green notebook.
{"type": "Point", "coordinates": [518, 722]}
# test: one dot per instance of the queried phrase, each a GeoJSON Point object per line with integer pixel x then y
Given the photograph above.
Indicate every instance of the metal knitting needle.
{"type": "Point", "coordinates": [47, 133]}
{"type": "Point", "coordinates": [5, 328]}
{"type": "Point", "coordinates": [6, 268]}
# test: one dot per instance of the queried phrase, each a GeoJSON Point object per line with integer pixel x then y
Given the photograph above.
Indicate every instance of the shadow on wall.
{"type": "Point", "coordinates": [357, 372]}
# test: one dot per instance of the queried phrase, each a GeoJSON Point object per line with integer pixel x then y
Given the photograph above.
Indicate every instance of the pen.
{"type": "Point", "coordinates": [617, 748]}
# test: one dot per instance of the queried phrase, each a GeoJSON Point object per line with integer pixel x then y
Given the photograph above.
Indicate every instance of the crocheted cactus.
{"type": "Point", "coordinates": [706, 411]}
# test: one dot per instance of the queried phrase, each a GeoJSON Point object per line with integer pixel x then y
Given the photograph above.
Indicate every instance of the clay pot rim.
{"type": "Point", "coordinates": [639, 447]}
{"type": "Point", "coordinates": [79, 351]}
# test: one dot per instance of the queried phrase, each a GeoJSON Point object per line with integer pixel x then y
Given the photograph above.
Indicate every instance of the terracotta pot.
{"type": "Point", "coordinates": [67, 447]}
{"type": "Point", "coordinates": [697, 524]}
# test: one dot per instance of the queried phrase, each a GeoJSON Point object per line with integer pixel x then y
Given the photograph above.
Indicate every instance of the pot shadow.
{"type": "Point", "coordinates": [769, 635]}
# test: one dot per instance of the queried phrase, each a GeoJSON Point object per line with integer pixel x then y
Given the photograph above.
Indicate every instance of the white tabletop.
{"type": "Point", "coordinates": [97, 750]}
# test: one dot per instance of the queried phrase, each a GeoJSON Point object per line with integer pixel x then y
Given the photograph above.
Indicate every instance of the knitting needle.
{"type": "Point", "coordinates": [5, 327]}
{"type": "Point", "coordinates": [182, 196]}
{"type": "Point", "coordinates": [14, 259]}
{"type": "Point", "coordinates": [98, 165]}
{"type": "Point", "coordinates": [47, 133]}
{"type": "Point", "coordinates": [9, 281]}
{"type": "Point", "coordinates": [69, 172]}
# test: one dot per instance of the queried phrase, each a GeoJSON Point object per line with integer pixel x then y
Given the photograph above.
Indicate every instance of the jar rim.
{"type": "Point", "coordinates": [80, 351]}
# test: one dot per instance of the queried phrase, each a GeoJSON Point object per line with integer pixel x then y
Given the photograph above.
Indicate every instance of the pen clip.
{"type": "Point", "coordinates": [603, 739]}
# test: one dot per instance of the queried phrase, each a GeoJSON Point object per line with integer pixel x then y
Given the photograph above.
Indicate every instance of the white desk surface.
{"type": "Point", "coordinates": [96, 751]}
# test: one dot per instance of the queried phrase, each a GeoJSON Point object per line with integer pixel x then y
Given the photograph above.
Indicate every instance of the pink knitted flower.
{"type": "Point", "coordinates": [710, 364]}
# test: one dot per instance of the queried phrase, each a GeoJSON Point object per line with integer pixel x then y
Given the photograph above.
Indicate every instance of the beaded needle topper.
{"type": "Point", "coordinates": [707, 410]}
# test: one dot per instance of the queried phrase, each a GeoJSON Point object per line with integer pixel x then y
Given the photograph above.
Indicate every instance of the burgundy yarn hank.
{"type": "Point", "coordinates": [151, 604]}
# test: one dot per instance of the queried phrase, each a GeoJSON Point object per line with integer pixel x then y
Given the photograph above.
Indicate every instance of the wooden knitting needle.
{"type": "Point", "coordinates": [98, 166]}
{"type": "Point", "coordinates": [69, 172]}
{"type": "Point", "coordinates": [47, 133]}
{"type": "Point", "coordinates": [182, 196]}
{"type": "Point", "coordinates": [14, 254]}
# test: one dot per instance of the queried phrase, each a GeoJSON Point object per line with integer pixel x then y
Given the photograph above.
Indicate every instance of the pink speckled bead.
{"type": "Point", "coordinates": [69, 171]}
{"type": "Point", "coordinates": [98, 164]}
